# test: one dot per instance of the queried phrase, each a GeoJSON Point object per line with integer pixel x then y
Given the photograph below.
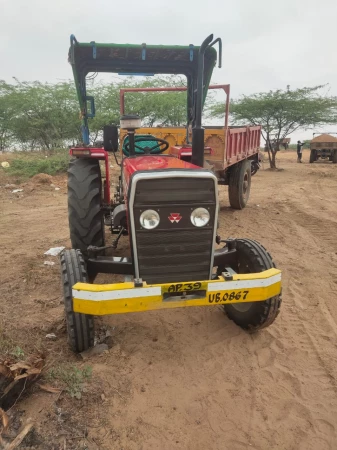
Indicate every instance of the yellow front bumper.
{"type": "Point", "coordinates": [118, 298]}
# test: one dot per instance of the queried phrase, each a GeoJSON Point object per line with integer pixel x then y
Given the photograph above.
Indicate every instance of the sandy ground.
{"type": "Point", "coordinates": [189, 378]}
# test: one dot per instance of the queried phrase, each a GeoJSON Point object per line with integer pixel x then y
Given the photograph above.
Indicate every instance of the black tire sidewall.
{"type": "Point", "coordinates": [237, 198]}
{"type": "Point", "coordinates": [334, 157]}
{"type": "Point", "coordinates": [254, 258]}
{"type": "Point", "coordinates": [80, 327]}
{"type": "Point", "coordinates": [85, 189]}
{"type": "Point", "coordinates": [313, 156]}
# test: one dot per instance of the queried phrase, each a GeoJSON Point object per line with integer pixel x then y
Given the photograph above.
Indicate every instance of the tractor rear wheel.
{"type": "Point", "coordinates": [86, 220]}
{"type": "Point", "coordinates": [239, 184]}
{"type": "Point", "coordinates": [253, 257]}
{"type": "Point", "coordinates": [313, 156]}
{"type": "Point", "coordinates": [80, 327]}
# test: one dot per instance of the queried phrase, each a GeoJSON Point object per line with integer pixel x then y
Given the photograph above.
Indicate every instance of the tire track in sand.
{"type": "Point", "coordinates": [293, 384]}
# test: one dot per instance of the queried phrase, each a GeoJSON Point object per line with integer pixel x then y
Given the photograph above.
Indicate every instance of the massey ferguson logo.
{"type": "Point", "coordinates": [175, 217]}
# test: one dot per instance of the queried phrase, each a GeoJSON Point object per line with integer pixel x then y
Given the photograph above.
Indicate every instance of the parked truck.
{"type": "Point", "coordinates": [323, 146]}
{"type": "Point", "coordinates": [277, 143]}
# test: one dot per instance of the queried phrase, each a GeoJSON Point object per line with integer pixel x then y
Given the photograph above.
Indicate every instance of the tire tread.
{"type": "Point", "coordinates": [267, 311]}
{"type": "Point", "coordinates": [84, 204]}
{"type": "Point", "coordinates": [235, 194]}
{"type": "Point", "coordinates": [80, 327]}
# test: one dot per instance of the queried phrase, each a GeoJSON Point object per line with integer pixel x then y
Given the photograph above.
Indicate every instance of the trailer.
{"type": "Point", "coordinates": [226, 148]}
{"type": "Point", "coordinates": [323, 146]}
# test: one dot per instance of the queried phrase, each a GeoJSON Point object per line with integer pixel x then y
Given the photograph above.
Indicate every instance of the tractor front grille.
{"type": "Point", "coordinates": [174, 251]}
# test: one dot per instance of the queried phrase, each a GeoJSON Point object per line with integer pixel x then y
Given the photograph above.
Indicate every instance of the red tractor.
{"type": "Point", "coordinates": [167, 207]}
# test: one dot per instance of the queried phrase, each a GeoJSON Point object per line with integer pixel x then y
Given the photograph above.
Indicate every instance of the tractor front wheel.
{"type": "Point", "coordinates": [80, 327]}
{"type": "Point", "coordinates": [252, 258]}
{"type": "Point", "coordinates": [239, 184]}
{"type": "Point", "coordinates": [86, 221]}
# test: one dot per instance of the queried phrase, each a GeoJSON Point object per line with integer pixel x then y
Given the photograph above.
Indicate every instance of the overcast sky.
{"type": "Point", "coordinates": [266, 44]}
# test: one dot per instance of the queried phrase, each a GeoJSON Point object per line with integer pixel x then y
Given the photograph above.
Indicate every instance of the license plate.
{"type": "Point", "coordinates": [176, 288]}
{"type": "Point", "coordinates": [228, 297]}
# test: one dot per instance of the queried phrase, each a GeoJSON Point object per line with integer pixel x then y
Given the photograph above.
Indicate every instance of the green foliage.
{"type": "Point", "coordinates": [18, 352]}
{"type": "Point", "coordinates": [9, 347]}
{"type": "Point", "coordinates": [35, 115]}
{"type": "Point", "coordinates": [294, 146]}
{"type": "Point", "coordinates": [71, 378]}
{"type": "Point", "coordinates": [165, 108]}
{"type": "Point", "coordinates": [7, 114]}
{"type": "Point", "coordinates": [282, 112]}
{"type": "Point", "coordinates": [28, 165]}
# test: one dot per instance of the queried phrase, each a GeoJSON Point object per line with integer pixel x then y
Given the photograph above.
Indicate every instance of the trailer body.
{"type": "Point", "coordinates": [224, 145]}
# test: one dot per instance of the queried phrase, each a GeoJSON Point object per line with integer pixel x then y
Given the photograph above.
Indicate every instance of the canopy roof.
{"type": "Point", "coordinates": [137, 59]}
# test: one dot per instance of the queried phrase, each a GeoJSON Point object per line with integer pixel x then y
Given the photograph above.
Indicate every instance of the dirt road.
{"type": "Point", "coordinates": [190, 379]}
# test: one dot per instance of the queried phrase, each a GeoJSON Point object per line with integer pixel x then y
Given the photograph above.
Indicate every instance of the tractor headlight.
{"type": "Point", "coordinates": [200, 217]}
{"type": "Point", "coordinates": [149, 219]}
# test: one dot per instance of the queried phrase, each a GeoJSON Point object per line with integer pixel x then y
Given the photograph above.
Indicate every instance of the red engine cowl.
{"type": "Point", "coordinates": [151, 163]}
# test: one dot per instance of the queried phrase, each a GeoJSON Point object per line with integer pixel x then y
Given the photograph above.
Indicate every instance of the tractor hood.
{"type": "Point", "coordinates": [155, 162]}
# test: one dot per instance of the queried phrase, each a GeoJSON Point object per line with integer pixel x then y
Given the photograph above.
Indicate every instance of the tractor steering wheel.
{"type": "Point", "coordinates": [159, 144]}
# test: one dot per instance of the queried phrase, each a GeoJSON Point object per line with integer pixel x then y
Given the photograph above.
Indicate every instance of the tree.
{"type": "Point", "coordinates": [107, 108]}
{"type": "Point", "coordinates": [46, 114]}
{"type": "Point", "coordinates": [166, 108]}
{"type": "Point", "coordinates": [282, 112]}
{"type": "Point", "coordinates": [35, 115]}
{"type": "Point", "coordinates": [7, 114]}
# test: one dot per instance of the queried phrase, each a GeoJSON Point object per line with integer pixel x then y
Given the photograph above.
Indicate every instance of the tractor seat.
{"type": "Point", "coordinates": [142, 144]}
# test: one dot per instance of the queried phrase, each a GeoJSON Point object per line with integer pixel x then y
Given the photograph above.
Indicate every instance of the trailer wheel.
{"type": "Point", "coordinates": [253, 257]}
{"type": "Point", "coordinates": [239, 184]}
{"type": "Point", "coordinates": [254, 167]}
{"type": "Point", "coordinates": [86, 221]}
{"type": "Point", "coordinates": [313, 156]}
{"type": "Point", "coordinates": [80, 327]}
{"type": "Point", "coordinates": [334, 157]}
